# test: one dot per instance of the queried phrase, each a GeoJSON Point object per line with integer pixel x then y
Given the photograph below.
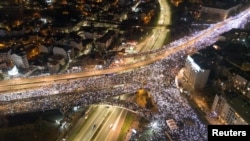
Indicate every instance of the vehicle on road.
{"type": "Point", "coordinates": [111, 125]}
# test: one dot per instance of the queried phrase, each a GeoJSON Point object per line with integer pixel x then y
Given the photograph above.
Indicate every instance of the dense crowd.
{"type": "Point", "coordinates": [158, 78]}
{"type": "Point", "coordinates": [233, 22]}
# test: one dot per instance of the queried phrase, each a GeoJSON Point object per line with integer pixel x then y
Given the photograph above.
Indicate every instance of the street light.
{"type": "Point", "coordinates": [134, 131]}
{"type": "Point", "coordinates": [154, 125]}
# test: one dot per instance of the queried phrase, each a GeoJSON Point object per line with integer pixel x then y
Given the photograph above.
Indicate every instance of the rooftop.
{"type": "Point", "coordinates": [239, 103]}
{"type": "Point", "coordinates": [205, 58]}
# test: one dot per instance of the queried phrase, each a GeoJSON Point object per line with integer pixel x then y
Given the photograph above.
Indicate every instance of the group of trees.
{"type": "Point", "coordinates": [144, 99]}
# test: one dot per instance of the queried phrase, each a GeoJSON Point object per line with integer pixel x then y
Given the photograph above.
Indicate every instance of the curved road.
{"type": "Point", "coordinates": [27, 83]}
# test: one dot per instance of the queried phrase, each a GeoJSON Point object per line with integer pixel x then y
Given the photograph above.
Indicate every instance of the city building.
{"type": "Point", "coordinates": [196, 75]}
{"type": "Point", "coordinates": [226, 60]}
{"type": "Point", "coordinates": [88, 46]}
{"type": "Point", "coordinates": [60, 59]}
{"type": "Point", "coordinates": [225, 64]}
{"type": "Point", "coordinates": [53, 66]}
{"type": "Point", "coordinates": [76, 44]}
{"type": "Point", "coordinates": [32, 38]}
{"type": "Point", "coordinates": [19, 58]}
{"type": "Point", "coordinates": [231, 108]}
{"type": "Point", "coordinates": [219, 9]}
{"type": "Point", "coordinates": [106, 40]}
{"type": "Point", "coordinates": [59, 50]}
{"type": "Point", "coordinates": [241, 82]}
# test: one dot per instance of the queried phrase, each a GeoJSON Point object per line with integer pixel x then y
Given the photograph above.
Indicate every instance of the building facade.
{"type": "Point", "coordinates": [195, 75]}
{"type": "Point", "coordinates": [20, 60]}
{"type": "Point", "coordinates": [226, 111]}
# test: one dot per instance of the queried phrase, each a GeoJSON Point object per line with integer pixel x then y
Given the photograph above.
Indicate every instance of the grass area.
{"type": "Point", "coordinates": [126, 126]}
{"type": "Point", "coordinates": [145, 100]}
{"type": "Point", "coordinates": [141, 98]}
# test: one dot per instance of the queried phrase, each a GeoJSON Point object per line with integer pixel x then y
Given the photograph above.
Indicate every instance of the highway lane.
{"type": "Point", "coordinates": [103, 124]}
{"type": "Point", "coordinates": [160, 32]}
{"type": "Point", "coordinates": [23, 83]}
{"type": "Point", "coordinates": [92, 124]}
{"type": "Point", "coordinates": [111, 128]}
{"type": "Point", "coordinates": [15, 84]}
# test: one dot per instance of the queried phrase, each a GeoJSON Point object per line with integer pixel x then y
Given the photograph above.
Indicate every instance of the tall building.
{"type": "Point", "coordinates": [195, 74]}
{"type": "Point", "coordinates": [59, 50]}
{"type": "Point", "coordinates": [241, 84]}
{"type": "Point", "coordinates": [231, 108]}
{"type": "Point", "coordinates": [20, 59]}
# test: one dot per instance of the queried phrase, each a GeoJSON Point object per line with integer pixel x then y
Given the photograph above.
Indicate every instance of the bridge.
{"type": "Point", "coordinates": [21, 84]}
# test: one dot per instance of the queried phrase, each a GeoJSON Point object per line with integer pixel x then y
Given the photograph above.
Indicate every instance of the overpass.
{"type": "Point", "coordinates": [22, 84]}
{"type": "Point", "coordinates": [69, 100]}
{"type": "Point", "coordinates": [138, 60]}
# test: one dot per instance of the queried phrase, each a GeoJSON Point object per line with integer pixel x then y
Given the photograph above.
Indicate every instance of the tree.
{"type": "Point", "coordinates": [1, 76]}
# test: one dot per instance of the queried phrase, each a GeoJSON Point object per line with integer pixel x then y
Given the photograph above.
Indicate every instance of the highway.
{"type": "Point", "coordinates": [159, 35]}
{"type": "Point", "coordinates": [111, 128]}
{"type": "Point", "coordinates": [97, 126]}
{"type": "Point", "coordinates": [103, 123]}
{"type": "Point", "coordinates": [16, 84]}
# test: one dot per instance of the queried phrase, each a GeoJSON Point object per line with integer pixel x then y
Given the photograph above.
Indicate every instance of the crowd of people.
{"type": "Point", "coordinates": [237, 21]}
{"type": "Point", "coordinates": [96, 89]}
{"type": "Point", "coordinates": [158, 78]}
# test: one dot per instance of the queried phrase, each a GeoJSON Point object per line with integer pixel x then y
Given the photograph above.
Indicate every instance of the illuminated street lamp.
{"type": "Point", "coordinates": [154, 125]}
{"type": "Point", "coordinates": [134, 131]}
{"type": "Point", "coordinates": [13, 71]}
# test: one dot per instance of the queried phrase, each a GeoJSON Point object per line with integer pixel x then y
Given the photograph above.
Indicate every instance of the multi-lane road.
{"type": "Point", "coordinates": [27, 83]}
{"type": "Point", "coordinates": [157, 40]}
{"type": "Point", "coordinates": [17, 84]}
{"type": "Point", "coordinates": [102, 123]}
